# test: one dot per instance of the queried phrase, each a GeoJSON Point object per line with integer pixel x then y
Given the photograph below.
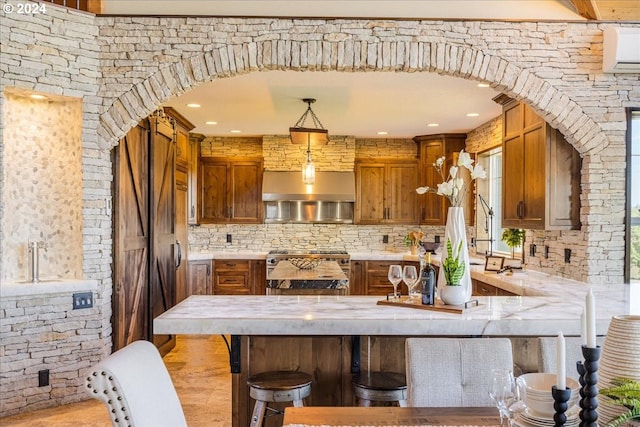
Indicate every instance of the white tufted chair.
{"type": "Point", "coordinates": [547, 354]}
{"type": "Point", "coordinates": [445, 372]}
{"type": "Point", "coordinates": [136, 387]}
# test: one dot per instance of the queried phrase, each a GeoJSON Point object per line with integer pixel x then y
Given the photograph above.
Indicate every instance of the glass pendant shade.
{"type": "Point", "coordinates": [309, 172]}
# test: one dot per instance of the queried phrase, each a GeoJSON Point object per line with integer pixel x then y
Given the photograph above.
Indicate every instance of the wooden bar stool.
{"type": "Point", "coordinates": [380, 387]}
{"type": "Point", "coordinates": [277, 386]}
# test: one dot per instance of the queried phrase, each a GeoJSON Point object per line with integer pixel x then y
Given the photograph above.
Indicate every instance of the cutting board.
{"type": "Point", "coordinates": [405, 302]}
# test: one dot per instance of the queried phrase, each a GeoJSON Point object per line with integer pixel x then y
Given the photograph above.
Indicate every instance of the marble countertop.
{"type": "Point", "coordinates": [46, 286]}
{"type": "Point", "coordinates": [284, 270]}
{"type": "Point", "coordinates": [359, 315]}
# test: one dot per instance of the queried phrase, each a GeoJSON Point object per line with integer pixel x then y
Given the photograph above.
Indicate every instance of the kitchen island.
{"type": "Point", "coordinates": [327, 278]}
{"type": "Point", "coordinates": [332, 336]}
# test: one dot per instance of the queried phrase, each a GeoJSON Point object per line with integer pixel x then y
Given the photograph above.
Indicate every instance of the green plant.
{"type": "Point", "coordinates": [624, 392]}
{"type": "Point", "coordinates": [453, 267]}
{"type": "Point", "coordinates": [513, 237]}
{"type": "Point", "coordinates": [413, 238]}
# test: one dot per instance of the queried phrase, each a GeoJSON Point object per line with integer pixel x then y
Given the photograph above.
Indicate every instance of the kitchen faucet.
{"type": "Point", "coordinates": [487, 227]}
{"type": "Point", "coordinates": [34, 260]}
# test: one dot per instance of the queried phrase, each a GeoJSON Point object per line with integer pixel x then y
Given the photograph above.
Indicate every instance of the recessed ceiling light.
{"type": "Point", "coordinates": [382, 132]}
{"type": "Point", "coordinates": [483, 85]}
{"type": "Point", "coordinates": [235, 131]}
{"type": "Point", "coordinates": [432, 125]}
{"type": "Point", "coordinates": [36, 96]}
{"type": "Point", "coordinates": [193, 105]}
{"type": "Point", "coordinates": [472, 114]}
{"type": "Point", "coordinates": [210, 123]}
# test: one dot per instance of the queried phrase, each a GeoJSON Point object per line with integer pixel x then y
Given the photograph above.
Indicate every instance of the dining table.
{"type": "Point", "coordinates": [348, 416]}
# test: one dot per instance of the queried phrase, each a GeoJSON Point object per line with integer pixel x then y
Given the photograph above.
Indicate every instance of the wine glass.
{"type": "Point", "coordinates": [395, 277]}
{"type": "Point", "coordinates": [509, 394]}
{"type": "Point", "coordinates": [496, 388]}
{"type": "Point", "coordinates": [410, 277]}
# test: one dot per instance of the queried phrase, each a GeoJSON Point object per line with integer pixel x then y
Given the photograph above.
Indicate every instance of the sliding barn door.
{"type": "Point", "coordinates": [144, 232]}
{"type": "Point", "coordinates": [131, 238]}
{"type": "Point", "coordinates": [162, 217]}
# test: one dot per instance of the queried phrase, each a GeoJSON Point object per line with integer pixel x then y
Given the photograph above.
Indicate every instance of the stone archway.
{"type": "Point", "coordinates": [443, 58]}
{"type": "Point", "coordinates": [446, 58]}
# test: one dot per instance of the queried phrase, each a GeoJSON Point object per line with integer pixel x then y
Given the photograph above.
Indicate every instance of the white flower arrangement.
{"type": "Point", "coordinates": [454, 187]}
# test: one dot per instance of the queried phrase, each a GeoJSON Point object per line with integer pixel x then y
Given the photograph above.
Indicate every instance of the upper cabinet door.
{"type": "Point", "coordinates": [230, 191]}
{"type": "Point", "coordinates": [386, 191]}
{"type": "Point", "coordinates": [246, 192]}
{"type": "Point", "coordinates": [432, 207]}
{"type": "Point", "coordinates": [540, 173]}
{"type": "Point", "coordinates": [401, 187]}
{"type": "Point", "coordinates": [370, 191]}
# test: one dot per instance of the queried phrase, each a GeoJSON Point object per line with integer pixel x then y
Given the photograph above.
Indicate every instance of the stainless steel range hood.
{"type": "Point", "coordinates": [288, 199]}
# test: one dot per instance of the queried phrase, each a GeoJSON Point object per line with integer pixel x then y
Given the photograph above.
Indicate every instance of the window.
{"type": "Point", "coordinates": [489, 214]}
{"type": "Point", "coordinates": [632, 270]}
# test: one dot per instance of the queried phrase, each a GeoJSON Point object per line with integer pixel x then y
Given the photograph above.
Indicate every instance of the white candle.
{"type": "Point", "coordinates": [583, 329]}
{"type": "Point", "coordinates": [591, 320]}
{"type": "Point", "coordinates": [561, 368]}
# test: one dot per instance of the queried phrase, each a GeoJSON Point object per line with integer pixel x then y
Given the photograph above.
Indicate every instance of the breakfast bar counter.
{"type": "Point", "coordinates": [332, 337]}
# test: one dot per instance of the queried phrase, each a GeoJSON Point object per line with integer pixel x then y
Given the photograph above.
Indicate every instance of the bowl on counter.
{"type": "Point", "coordinates": [430, 246]}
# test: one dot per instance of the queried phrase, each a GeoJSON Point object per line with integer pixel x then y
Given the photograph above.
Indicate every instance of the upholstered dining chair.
{"type": "Point", "coordinates": [136, 387]}
{"type": "Point", "coordinates": [445, 372]}
{"type": "Point", "coordinates": [547, 354]}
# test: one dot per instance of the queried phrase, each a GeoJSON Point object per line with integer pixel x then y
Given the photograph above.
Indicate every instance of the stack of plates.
{"type": "Point", "coordinates": [539, 399]}
{"type": "Point", "coordinates": [530, 418]}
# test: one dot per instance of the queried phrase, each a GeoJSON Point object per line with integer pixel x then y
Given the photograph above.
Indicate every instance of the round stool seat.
{"type": "Point", "coordinates": [381, 387]}
{"type": "Point", "coordinates": [277, 386]}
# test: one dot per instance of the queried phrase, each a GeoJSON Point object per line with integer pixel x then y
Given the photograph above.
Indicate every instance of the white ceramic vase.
{"type": "Point", "coordinates": [620, 357]}
{"type": "Point", "coordinates": [453, 295]}
{"type": "Point", "coordinates": [456, 231]}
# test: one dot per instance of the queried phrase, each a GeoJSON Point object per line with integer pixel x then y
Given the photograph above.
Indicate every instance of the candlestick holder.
{"type": "Point", "coordinates": [589, 389]}
{"type": "Point", "coordinates": [560, 399]}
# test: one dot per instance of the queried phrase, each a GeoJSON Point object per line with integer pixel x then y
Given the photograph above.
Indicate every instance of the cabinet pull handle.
{"type": "Point", "coordinates": [193, 211]}
{"type": "Point", "coordinates": [208, 270]}
{"type": "Point", "coordinates": [519, 209]}
{"type": "Point", "coordinates": [179, 254]}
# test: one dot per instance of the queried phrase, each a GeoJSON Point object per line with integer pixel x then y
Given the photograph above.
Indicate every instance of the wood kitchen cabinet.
{"type": "Point", "coordinates": [540, 172]}
{"type": "Point", "coordinates": [192, 172]}
{"type": "Point", "coordinates": [239, 277]}
{"type": "Point", "coordinates": [386, 191]}
{"type": "Point", "coordinates": [433, 207]}
{"type": "Point", "coordinates": [182, 160]}
{"type": "Point", "coordinates": [200, 277]}
{"type": "Point", "coordinates": [370, 277]}
{"type": "Point", "coordinates": [486, 290]}
{"type": "Point", "coordinates": [230, 190]}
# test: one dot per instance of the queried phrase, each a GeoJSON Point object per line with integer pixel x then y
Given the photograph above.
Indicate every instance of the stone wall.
{"type": "Point", "coordinates": [55, 53]}
{"type": "Point", "coordinates": [43, 332]}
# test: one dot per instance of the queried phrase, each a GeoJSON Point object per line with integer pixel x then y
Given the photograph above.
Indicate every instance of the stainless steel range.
{"type": "Point", "coordinates": [330, 277]}
{"type": "Point", "coordinates": [341, 257]}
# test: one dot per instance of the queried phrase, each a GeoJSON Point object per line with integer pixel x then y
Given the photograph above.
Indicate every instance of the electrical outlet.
{"type": "Point", "coordinates": [567, 255]}
{"type": "Point", "coordinates": [436, 239]}
{"type": "Point", "coordinates": [229, 238]}
{"type": "Point", "coordinates": [546, 251]}
{"type": "Point", "coordinates": [385, 238]}
{"type": "Point", "coordinates": [43, 378]}
{"type": "Point", "coordinates": [82, 300]}
{"type": "Point", "coordinates": [532, 249]}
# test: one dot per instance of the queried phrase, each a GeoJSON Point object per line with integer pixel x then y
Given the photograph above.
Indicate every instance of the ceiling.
{"type": "Point", "coordinates": [358, 104]}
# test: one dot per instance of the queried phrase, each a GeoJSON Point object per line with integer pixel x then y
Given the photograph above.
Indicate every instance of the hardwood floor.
{"type": "Point", "coordinates": [199, 368]}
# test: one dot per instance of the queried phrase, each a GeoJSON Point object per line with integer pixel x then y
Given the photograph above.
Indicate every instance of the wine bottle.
{"type": "Point", "coordinates": [428, 278]}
